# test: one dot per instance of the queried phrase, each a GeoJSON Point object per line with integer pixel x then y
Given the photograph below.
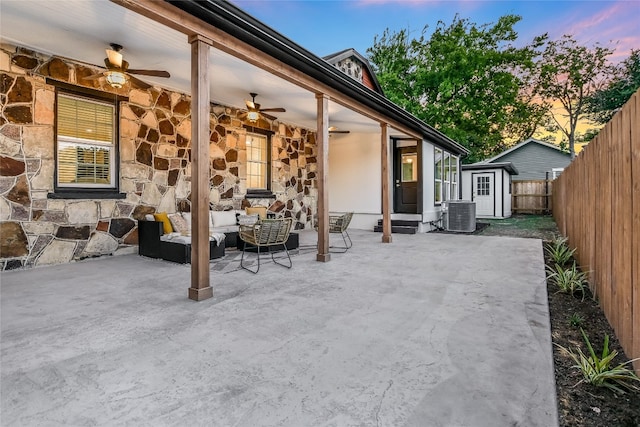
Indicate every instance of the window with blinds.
{"type": "Point", "coordinates": [86, 142]}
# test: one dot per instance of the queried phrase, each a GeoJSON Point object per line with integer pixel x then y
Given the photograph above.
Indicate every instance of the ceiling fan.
{"type": "Point", "coordinates": [254, 111]}
{"type": "Point", "coordinates": [118, 72]}
{"type": "Point", "coordinates": [333, 129]}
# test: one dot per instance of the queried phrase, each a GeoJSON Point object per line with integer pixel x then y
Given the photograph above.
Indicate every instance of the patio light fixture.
{"type": "Point", "coordinates": [253, 116]}
{"type": "Point", "coordinates": [116, 79]}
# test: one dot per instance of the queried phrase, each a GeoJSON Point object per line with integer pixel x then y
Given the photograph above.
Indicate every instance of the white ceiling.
{"type": "Point", "coordinates": [82, 29]}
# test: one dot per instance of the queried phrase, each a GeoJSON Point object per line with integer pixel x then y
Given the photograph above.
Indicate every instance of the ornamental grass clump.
{"type": "Point", "coordinates": [597, 370]}
{"type": "Point", "coordinates": [559, 252]}
{"type": "Point", "coordinates": [576, 320]}
{"type": "Point", "coordinates": [569, 280]}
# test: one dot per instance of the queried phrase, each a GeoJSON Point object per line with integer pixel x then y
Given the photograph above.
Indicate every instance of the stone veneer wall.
{"type": "Point", "coordinates": [155, 169]}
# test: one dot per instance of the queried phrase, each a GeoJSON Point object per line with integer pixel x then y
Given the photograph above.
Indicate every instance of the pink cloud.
{"type": "Point", "coordinates": [461, 4]}
{"type": "Point", "coordinates": [616, 26]}
{"type": "Point", "coordinates": [419, 3]}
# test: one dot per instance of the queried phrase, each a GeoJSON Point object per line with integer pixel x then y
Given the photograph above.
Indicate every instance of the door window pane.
{"type": "Point", "coordinates": [409, 167]}
{"type": "Point", "coordinates": [483, 188]}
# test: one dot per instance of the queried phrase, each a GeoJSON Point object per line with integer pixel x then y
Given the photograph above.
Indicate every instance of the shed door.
{"type": "Point", "coordinates": [484, 193]}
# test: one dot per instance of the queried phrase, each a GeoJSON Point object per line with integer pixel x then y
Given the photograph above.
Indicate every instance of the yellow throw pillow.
{"type": "Point", "coordinates": [166, 224]}
{"type": "Point", "coordinates": [261, 211]}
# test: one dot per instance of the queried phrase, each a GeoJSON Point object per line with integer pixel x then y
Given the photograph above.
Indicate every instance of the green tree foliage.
{"type": "Point", "coordinates": [469, 81]}
{"type": "Point", "coordinates": [604, 103]}
{"type": "Point", "coordinates": [568, 74]}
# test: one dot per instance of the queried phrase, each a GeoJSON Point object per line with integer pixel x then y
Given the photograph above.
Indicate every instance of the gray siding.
{"type": "Point", "coordinates": [532, 161]}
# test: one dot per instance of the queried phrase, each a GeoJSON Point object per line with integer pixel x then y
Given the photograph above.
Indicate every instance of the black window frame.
{"type": "Point", "coordinates": [87, 192]}
{"type": "Point", "coordinates": [262, 193]}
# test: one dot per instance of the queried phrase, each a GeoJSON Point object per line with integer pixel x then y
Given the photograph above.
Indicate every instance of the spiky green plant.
{"type": "Point", "coordinates": [576, 320]}
{"type": "Point", "coordinates": [597, 370]}
{"type": "Point", "coordinates": [569, 280]}
{"type": "Point", "coordinates": [559, 252]}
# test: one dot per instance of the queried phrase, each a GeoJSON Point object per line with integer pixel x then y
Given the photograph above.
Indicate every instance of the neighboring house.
{"type": "Point", "coordinates": [489, 186]}
{"type": "Point", "coordinates": [534, 159]}
{"type": "Point", "coordinates": [82, 159]}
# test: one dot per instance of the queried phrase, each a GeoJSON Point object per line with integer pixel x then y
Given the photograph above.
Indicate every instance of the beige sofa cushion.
{"type": "Point", "coordinates": [223, 218]}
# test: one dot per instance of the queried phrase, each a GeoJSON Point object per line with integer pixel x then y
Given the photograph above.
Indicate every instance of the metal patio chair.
{"type": "Point", "coordinates": [339, 224]}
{"type": "Point", "coordinates": [269, 234]}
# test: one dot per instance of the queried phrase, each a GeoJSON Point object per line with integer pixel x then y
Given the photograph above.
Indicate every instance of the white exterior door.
{"type": "Point", "coordinates": [484, 194]}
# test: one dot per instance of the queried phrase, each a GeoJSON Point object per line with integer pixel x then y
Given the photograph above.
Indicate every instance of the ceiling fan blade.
{"type": "Point", "coordinates": [278, 109]}
{"type": "Point", "coordinates": [339, 131]}
{"type": "Point", "coordinates": [139, 83]}
{"type": "Point", "coordinates": [93, 76]}
{"type": "Point", "coordinates": [268, 116]}
{"type": "Point", "coordinates": [154, 73]}
{"type": "Point", "coordinates": [250, 105]}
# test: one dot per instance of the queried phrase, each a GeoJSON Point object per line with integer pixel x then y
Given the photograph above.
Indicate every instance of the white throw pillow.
{"type": "Point", "coordinates": [223, 218]}
{"type": "Point", "coordinates": [248, 219]}
{"type": "Point", "coordinates": [187, 218]}
{"type": "Point", "coordinates": [149, 217]}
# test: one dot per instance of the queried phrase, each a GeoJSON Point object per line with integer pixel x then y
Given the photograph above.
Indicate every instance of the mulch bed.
{"type": "Point", "coordinates": [583, 404]}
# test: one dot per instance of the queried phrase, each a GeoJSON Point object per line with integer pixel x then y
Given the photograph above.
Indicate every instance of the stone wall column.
{"type": "Point", "coordinates": [200, 110]}
{"type": "Point", "coordinates": [386, 200]}
{"type": "Point", "coordinates": [323, 168]}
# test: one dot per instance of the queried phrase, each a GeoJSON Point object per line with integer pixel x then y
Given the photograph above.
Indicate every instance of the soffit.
{"type": "Point", "coordinates": [81, 30]}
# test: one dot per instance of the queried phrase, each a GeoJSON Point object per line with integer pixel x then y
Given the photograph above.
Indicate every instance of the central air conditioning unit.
{"type": "Point", "coordinates": [460, 216]}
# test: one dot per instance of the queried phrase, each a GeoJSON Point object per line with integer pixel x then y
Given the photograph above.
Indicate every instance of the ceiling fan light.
{"type": "Point", "coordinates": [114, 57]}
{"type": "Point", "coordinates": [253, 116]}
{"type": "Point", "coordinates": [116, 79]}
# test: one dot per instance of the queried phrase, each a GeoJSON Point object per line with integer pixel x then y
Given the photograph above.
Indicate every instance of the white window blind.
{"type": "Point", "coordinates": [86, 149]}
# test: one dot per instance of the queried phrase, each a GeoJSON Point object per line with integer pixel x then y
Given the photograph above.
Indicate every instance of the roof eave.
{"type": "Point", "coordinates": [507, 166]}
{"type": "Point", "coordinates": [244, 27]}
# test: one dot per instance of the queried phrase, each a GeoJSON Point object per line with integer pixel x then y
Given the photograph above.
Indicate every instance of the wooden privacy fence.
{"type": "Point", "coordinates": [596, 204]}
{"type": "Point", "coordinates": [531, 196]}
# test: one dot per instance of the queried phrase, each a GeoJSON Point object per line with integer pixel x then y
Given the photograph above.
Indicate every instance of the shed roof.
{"type": "Point", "coordinates": [508, 166]}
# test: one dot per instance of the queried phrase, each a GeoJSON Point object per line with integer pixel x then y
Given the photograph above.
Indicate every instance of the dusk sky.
{"type": "Point", "coordinates": [328, 26]}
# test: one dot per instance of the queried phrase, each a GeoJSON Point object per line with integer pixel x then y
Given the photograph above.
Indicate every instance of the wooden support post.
{"type": "Point", "coordinates": [200, 111]}
{"type": "Point", "coordinates": [322, 139]}
{"type": "Point", "coordinates": [386, 210]}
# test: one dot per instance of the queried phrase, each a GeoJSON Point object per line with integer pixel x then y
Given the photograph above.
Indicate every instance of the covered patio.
{"type": "Point", "coordinates": [178, 141]}
{"type": "Point", "coordinates": [434, 330]}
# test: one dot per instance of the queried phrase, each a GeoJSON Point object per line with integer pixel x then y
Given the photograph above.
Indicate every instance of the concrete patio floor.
{"type": "Point", "coordinates": [431, 330]}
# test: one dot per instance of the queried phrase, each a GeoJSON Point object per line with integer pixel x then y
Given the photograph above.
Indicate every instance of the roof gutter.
{"type": "Point", "coordinates": [239, 24]}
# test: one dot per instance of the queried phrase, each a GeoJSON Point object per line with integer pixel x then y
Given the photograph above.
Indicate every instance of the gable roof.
{"type": "Point", "coordinates": [521, 145]}
{"type": "Point", "coordinates": [239, 24]}
{"type": "Point", "coordinates": [335, 58]}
